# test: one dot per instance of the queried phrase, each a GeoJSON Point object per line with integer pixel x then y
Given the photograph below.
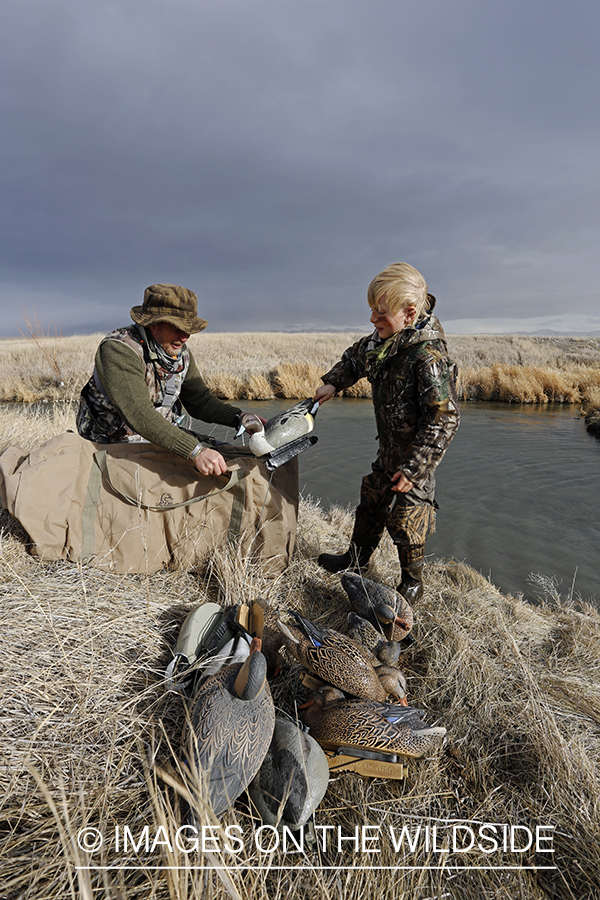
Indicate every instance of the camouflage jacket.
{"type": "Point", "coordinates": [100, 421]}
{"type": "Point", "coordinates": [414, 394]}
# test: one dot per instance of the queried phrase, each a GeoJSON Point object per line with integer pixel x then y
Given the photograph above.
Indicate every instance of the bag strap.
{"type": "Point", "coordinates": [88, 517]}
{"type": "Point", "coordinates": [236, 476]}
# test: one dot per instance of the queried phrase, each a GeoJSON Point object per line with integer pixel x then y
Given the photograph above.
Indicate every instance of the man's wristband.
{"type": "Point", "coordinates": [197, 449]}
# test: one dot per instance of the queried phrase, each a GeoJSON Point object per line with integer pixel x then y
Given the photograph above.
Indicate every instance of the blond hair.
{"type": "Point", "coordinates": [402, 286]}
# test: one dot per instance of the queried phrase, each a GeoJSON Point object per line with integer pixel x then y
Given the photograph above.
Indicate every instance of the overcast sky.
{"type": "Point", "coordinates": [274, 155]}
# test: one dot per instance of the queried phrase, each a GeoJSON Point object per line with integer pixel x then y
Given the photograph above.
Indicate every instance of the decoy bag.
{"type": "Point", "coordinates": [134, 507]}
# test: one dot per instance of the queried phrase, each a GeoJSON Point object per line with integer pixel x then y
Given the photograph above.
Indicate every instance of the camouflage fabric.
{"type": "Point", "coordinates": [414, 395]}
{"type": "Point", "coordinates": [100, 421]}
{"type": "Point", "coordinates": [416, 410]}
{"type": "Point", "coordinates": [409, 518]}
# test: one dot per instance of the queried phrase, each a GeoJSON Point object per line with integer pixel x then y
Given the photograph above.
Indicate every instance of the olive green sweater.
{"type": "Point", "coordinates": [122, 373]}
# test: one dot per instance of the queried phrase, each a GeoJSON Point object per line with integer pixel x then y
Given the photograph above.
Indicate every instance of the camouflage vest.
{"type": "Point", "coordinates": [100, 421]}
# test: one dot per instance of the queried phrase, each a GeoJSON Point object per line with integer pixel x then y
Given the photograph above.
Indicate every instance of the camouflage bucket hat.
{"type": "Point", "coordinates": [169, 303]}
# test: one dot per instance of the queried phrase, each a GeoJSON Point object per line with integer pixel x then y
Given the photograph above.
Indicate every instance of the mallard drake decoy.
{"type": "Point", "coordinates": [292, 779]}
{"type": "Point", "coordinates": [382, 606]}
{"type": "Point", "coordinates": [287, 426]}
{"type": "Point", "coordinates": [365, 725]}
{"type": "Point", "coordinates": [365, 634]}
{"type": "Point", "coordinates": [334, 657]}
{"type": "Point", "coordinates": [232, 718]}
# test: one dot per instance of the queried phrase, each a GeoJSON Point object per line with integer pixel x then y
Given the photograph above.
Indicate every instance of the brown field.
{"type": "Point", "coordinates": [259, 366]}
{"type": "Point", "coordinates": [89, 731]}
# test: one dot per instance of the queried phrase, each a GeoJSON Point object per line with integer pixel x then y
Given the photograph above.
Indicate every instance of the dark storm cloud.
{"type": "Point", "coordinates": [274, 156]}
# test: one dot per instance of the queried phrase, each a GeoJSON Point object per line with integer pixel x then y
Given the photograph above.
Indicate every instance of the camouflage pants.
{"type": "Point", "coordinates": [409, 518]}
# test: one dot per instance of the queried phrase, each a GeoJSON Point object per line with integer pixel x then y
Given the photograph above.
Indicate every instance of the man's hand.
{"type": "Point", "coordinates": [210, 462]}
{"type": "Point", "coordinates": [401, 484]}
{"type": "Point", "coordinates": [324, 393]}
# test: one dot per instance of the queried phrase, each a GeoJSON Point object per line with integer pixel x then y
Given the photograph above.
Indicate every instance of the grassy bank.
{"type": "Point", "coordinates": [89, 732]}
{"type": "Point", "coordinates": [259, 366]}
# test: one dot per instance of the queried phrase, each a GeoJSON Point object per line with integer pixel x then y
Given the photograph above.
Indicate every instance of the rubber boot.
{"type": "Point", "coordinates": [355, 558]}
{"type": "Point", "coordinates": [411, 560]}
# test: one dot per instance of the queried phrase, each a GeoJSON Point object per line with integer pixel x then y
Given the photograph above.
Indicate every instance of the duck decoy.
{"type": "Point", "coordinates": [369, 637]}
{"type": "Point", "coordinates": [271, 639]}
{"type": "Point", "coordinates": [292, 779]}
{"type": "Point", "coordinates": [231, 724]}
{"type": "Point", "coordinates": [212, 636]}
{"type": "Point", "coordinates": [334, 657]}
{"type": "Point", "coordinates": [367, 726]}
{"type": "Point", "coordinates": [286, 427]}
{"type": "Point", "coordinates": [382, 606]}
{"type": "Point", "coordinates": [393, 681]}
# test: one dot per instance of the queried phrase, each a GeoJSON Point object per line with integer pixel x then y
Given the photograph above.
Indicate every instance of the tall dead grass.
{"type": "Point", "coordinates": [90, 735]}
{"type": "Point", "coordinates": [259, 366]}
{"type": "Point", "coordinates": [530, 384]}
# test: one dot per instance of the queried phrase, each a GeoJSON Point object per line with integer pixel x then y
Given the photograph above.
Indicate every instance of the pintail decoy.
{"type": "Point", "coordinates": [293, 423]}
{"type": "Point", "coordinates": [336, 659]}
{"type": "Point", "coordinates": [382, 606]}
{"type": "Point", "coordinates": [231, 724]}
{"type": "Point", "coordinates": [364, 725]}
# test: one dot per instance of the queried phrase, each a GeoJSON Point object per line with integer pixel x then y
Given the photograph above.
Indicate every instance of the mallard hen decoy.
{"type": "Point", "coordinates": [335, 722]}
{"type": "Point", "coordinates": [382, 606]}
{"type": "Point", "coordinates": [365, 634]}
{"type": "Point", "coordinates": [287, 426]}
{"type": "Point", "coordinates": [334, 657]}
{"type": "Point", "coordinates": [232, 718]}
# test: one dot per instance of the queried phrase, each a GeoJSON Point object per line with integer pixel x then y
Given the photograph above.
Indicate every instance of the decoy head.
{"type": "Point", "coordinates": [250, 423]}
{"type": "Point", "coordinates": [393, 682]}
{"type": "Point", "coordinates": [252, 677]}
{"type": "Point", "coordinates": [326, 696]}
{"type": "Point", "coordinates": [388, 652]}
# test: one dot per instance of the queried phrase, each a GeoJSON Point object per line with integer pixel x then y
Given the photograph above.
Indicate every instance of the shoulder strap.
{"type": "Point", "coordinates": [101, 460]}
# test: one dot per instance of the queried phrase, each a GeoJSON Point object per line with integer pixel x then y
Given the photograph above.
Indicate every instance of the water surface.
{"type": "Point", "coordinates": [518, 489]}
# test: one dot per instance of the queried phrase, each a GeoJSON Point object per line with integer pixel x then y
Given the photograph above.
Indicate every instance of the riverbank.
{"type": "Point", "coordinates": [89, 733]}
{"type": "Point", "coordinates": [260, 366]}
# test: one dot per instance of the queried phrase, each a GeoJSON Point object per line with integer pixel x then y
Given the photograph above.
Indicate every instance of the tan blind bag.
{"type": "Point", "coordinates": [135, 508]}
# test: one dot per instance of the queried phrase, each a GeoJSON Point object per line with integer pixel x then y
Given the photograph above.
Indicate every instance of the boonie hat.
{"type": "Point", "coordinates": [169, 303]}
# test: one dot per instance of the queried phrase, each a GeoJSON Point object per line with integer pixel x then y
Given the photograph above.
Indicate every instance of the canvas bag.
{"type": "Point", "coordinates": [135, 508]}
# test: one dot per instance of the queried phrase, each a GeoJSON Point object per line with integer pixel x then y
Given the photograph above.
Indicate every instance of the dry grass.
{"type": "Point", "coordinates": [530, 384]}
{"type": "Point", "coordinates": [89, 733]}
{"type": "Point", "coordinates": [259, 366]}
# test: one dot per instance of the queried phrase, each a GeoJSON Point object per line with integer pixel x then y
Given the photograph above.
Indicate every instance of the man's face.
{"type": "Point", "coordinates": [388, 323]}
{"type": "Point", "coordinates": [169, 337]}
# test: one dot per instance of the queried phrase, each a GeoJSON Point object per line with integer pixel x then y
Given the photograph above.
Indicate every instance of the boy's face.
{"type": "Point", "coordinates": [388, 323]}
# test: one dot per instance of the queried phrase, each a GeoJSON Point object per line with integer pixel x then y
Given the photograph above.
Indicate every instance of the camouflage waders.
{"type": "Point", "coordinates": [414, 395]}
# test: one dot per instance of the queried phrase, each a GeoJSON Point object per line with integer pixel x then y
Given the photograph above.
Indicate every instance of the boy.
{"type": "Point", "coordinates": [414, 394]}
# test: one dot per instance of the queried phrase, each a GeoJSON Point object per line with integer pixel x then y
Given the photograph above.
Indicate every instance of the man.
{"type": "Point", "coordinates": [145, 373]}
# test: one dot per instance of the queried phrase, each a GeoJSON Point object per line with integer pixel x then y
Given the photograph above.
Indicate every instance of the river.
{"type": "Point", "coordinates": [518, 489]}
